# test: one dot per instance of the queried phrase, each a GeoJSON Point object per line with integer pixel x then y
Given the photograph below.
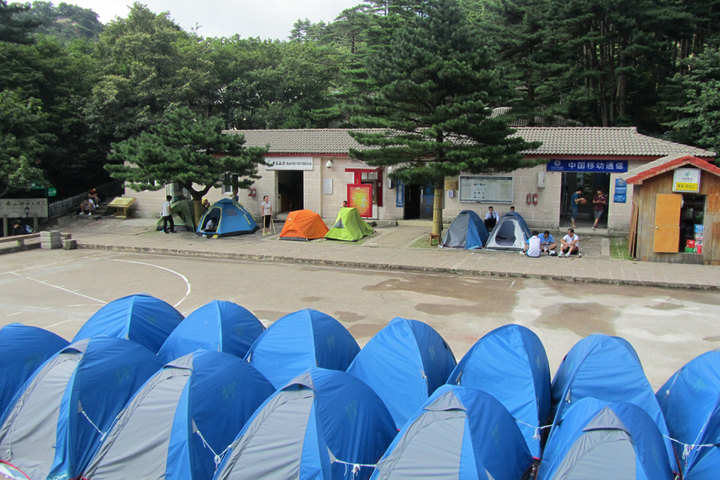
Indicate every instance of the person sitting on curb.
{"type": "Point", "coordinates": [547, 243]}
{"type": "Point", "coordinates": [87, 206]}
{"type": "Point", "coordinates": [570, 244]}
{"type": "Point", "coordinates": [532, 246]}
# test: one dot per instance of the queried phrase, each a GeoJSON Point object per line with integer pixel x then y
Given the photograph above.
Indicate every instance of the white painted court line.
{"type": "Point", "coordinates": [58, 287]}
{"type": "Point", "coordinates": [187, 282]}
{"type": "Point", "coordinates": [46, 265]}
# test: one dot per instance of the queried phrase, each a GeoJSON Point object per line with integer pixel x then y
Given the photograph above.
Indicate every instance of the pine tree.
{"type": "Point", "coordinates": [435, 90]}
{"type": "Point", "coordinates": [187, 149]}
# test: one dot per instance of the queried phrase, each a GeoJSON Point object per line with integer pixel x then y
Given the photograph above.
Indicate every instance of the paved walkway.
{"type": "Point", "coordinates": [397, 248]}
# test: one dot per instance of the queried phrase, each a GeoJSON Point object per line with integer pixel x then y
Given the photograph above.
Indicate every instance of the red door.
{"type": "Point", "coordinates": [360, 196]}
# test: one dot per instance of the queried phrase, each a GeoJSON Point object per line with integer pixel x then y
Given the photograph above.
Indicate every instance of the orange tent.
{"type": "Point", "coordinates": [303, 225]}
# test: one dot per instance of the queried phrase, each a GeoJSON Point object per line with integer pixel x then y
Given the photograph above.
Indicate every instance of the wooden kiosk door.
{"type": "Point", "coordinates": [667, 223]}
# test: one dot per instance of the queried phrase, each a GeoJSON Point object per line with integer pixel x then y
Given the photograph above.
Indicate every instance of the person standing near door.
{"type": "Point", "coordinates": [266, 212]}
{"type": "Point", "coordinates": [600, 201]}
{"type": "Point", "coordinates": [575, 201]}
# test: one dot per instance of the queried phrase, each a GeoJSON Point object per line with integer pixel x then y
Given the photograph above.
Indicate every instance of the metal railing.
{"type": "Point", "coordinates": [71, 204]}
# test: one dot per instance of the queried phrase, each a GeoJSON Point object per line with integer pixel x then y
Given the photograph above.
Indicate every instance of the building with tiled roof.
{"type": "Point", "coordinates": [676, 217]}
{"type": "Point", "coordinates": [311, 169]}
{"type": "Point", "coordinates": [563, 141]}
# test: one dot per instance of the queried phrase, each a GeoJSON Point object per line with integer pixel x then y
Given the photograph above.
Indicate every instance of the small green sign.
{"type": "Point", "coordinates": [52, 192]}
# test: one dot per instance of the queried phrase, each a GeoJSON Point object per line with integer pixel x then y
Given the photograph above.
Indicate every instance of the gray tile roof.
{"type": "Point", "coordinates": [595, 141]}
{"type": "Point", "coordinates": [602, 141]}
{"type": "Point", "coordinates": [311, 140]}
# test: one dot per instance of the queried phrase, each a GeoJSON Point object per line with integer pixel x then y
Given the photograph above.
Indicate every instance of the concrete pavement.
{"type": "Point", "coordinates": [398, 248]}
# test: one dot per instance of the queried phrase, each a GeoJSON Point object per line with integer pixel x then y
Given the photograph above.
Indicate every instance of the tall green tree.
{"type": "Point", "coordinates": [435, 90]}
{"type": "Point", "coordinates": [45, 82]}
{"type": "Point", "coordinates": [697, 107]}
{"type": "Point", "coordinates": [23, 142]}
{"type": "Point", "coordinates": [188, 149]}
{"type": "Point", "coordinates": [14, 26]}
{"type": "Point", "coordinates": [265, 84]}
{"type": "Point", "coordinates": [146, 63]}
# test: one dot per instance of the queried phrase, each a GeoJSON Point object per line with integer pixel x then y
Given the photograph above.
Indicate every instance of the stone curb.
{"type": "Point", "coordinates": [392, 267]}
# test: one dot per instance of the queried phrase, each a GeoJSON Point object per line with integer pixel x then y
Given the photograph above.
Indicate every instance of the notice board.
{"type": "Point", "coordinates": [486, 189]}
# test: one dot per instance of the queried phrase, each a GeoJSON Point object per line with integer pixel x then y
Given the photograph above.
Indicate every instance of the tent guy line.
{"type": "Point", "coordinates": [184, 278]}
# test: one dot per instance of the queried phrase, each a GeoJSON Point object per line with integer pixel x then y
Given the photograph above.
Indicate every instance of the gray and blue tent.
{"type": "Point", "coordinates": [404, 363]}
{"type": "Point", "coordinates": [141, 318]}
{"type": "Point", "coordinates": [597, 440]}
{"type": "Point", "coordinates": [181, 421]}
{"type": "Point", "coordinates": [690, 401]}
{"type": "Point", "coordinates": [22, 350]}
{"type": "Point", "coordinates": [466, 231]}
{"type": "Point", "coordinates": [510, 363]}
{"type": "Point", "coordinates": [219, 326]}
{"type": "Point", "coordinates": [461, 433]}
{"type": "Point", "coordinates": [324, 424]}
{"type": "Point", "coordinates": [58, 420]}
{"type": "Point", "coordinates": [301, 340]}
{"type": "Point", "coordinates": [609, 369]}
{"type": "Point", "coordinates": [228, 218]}
{"type": "Point", "coordinates": [510, 233]}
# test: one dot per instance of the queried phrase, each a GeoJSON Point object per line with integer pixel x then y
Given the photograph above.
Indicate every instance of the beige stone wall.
{"type": "Point", "coordinates": [619, 213]}
{"type": "Point", "coordinates": [545, 214]}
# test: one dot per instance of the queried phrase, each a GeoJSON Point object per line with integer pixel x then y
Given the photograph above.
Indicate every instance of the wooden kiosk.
{"type": "Point", "coordinates": [676, 211]}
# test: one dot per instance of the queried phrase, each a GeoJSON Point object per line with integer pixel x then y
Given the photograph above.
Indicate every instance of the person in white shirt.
{"type": "Point", "coordinates": [491, 218]}
{"type": "Point", "coordinates": [570, 244]}
{"type": "Point", "coordinates": [266, 212]}
{"type": "Point", "coordinates": [532, 246]}
{"type": "Point", "coordinates": [167, 215]}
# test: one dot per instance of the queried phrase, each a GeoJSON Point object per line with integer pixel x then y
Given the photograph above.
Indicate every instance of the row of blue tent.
{"type": "Point", "coordinates": [142, 392]}
{"type": "Point", "coordinates": [468, 231]}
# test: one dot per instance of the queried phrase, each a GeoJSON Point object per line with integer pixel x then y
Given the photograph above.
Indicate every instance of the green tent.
{"type": "Point", "coordinates": [349, 226]}
{"type": "Point", "coordinates": [182, 212]}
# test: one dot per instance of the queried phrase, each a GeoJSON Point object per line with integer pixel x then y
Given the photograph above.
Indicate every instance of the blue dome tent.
{"type": "Point", "coordinates": [597, 441]}
{"type": "Point", "coordinates": [181, 421]}
{"type": "Point", "coordinates": [606, 368]}
{"type": "Point", "coordinates": [219, 326]}
{"type": "Point", "coordinates": [57, 421]}
{"type": "Point", "coordinates": [324, 424]}
{"type": "Point", "coordinates": [461, 433]}
{"type": "Point", "coordinates": [510, 363]}
{"type": "Point", "coordinates": [226, 217]}
{"type": "Point", "coordinates": [404, 363]}
{"type": "Point", "coordinates": [141, 318]}
{"type": "Point", "coordinates": [690, 400]}
{"type": "Point", "coordinates": [301, 340]}
{"type": "Point", "coordinates": [466, 231]}
{"type": "Point", "coordinates": [24, 349]}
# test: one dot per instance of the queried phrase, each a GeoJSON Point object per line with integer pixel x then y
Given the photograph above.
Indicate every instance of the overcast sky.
{"type": "Point", "coordinates": [267, 19]}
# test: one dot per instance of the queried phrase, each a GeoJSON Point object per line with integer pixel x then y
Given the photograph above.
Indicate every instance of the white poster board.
{"type": "Point", "coordinates": [686, 180]}
{"type": "Point", "coordinates": [486, 189]}
{"type": "Point", "coordinates": [327, 186]}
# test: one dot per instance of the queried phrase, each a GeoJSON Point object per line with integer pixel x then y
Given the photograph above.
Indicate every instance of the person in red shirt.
{"type": "Point", "coordinates": [600, 201]}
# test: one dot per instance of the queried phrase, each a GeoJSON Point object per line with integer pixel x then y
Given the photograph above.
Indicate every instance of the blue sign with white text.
{"type": "Point", "coordinates": [596, 166]}
{"type": "Point", "coordinates": [399, 194]}
{"type": "Point", "coordinates": [620, 191]}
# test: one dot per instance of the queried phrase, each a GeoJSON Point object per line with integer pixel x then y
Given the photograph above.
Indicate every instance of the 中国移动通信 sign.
{"type": "Point", "coordinates": [596, 166]}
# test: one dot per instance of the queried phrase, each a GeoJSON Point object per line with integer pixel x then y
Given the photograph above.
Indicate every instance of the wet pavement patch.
{"type": "Point", "coordinates": [490, 295]}
{"type": "Point", "coordinates": [581, 318]}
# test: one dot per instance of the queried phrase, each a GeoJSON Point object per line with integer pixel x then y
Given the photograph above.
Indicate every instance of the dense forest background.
{"type": "Point", "coordinates": [72, 87]}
